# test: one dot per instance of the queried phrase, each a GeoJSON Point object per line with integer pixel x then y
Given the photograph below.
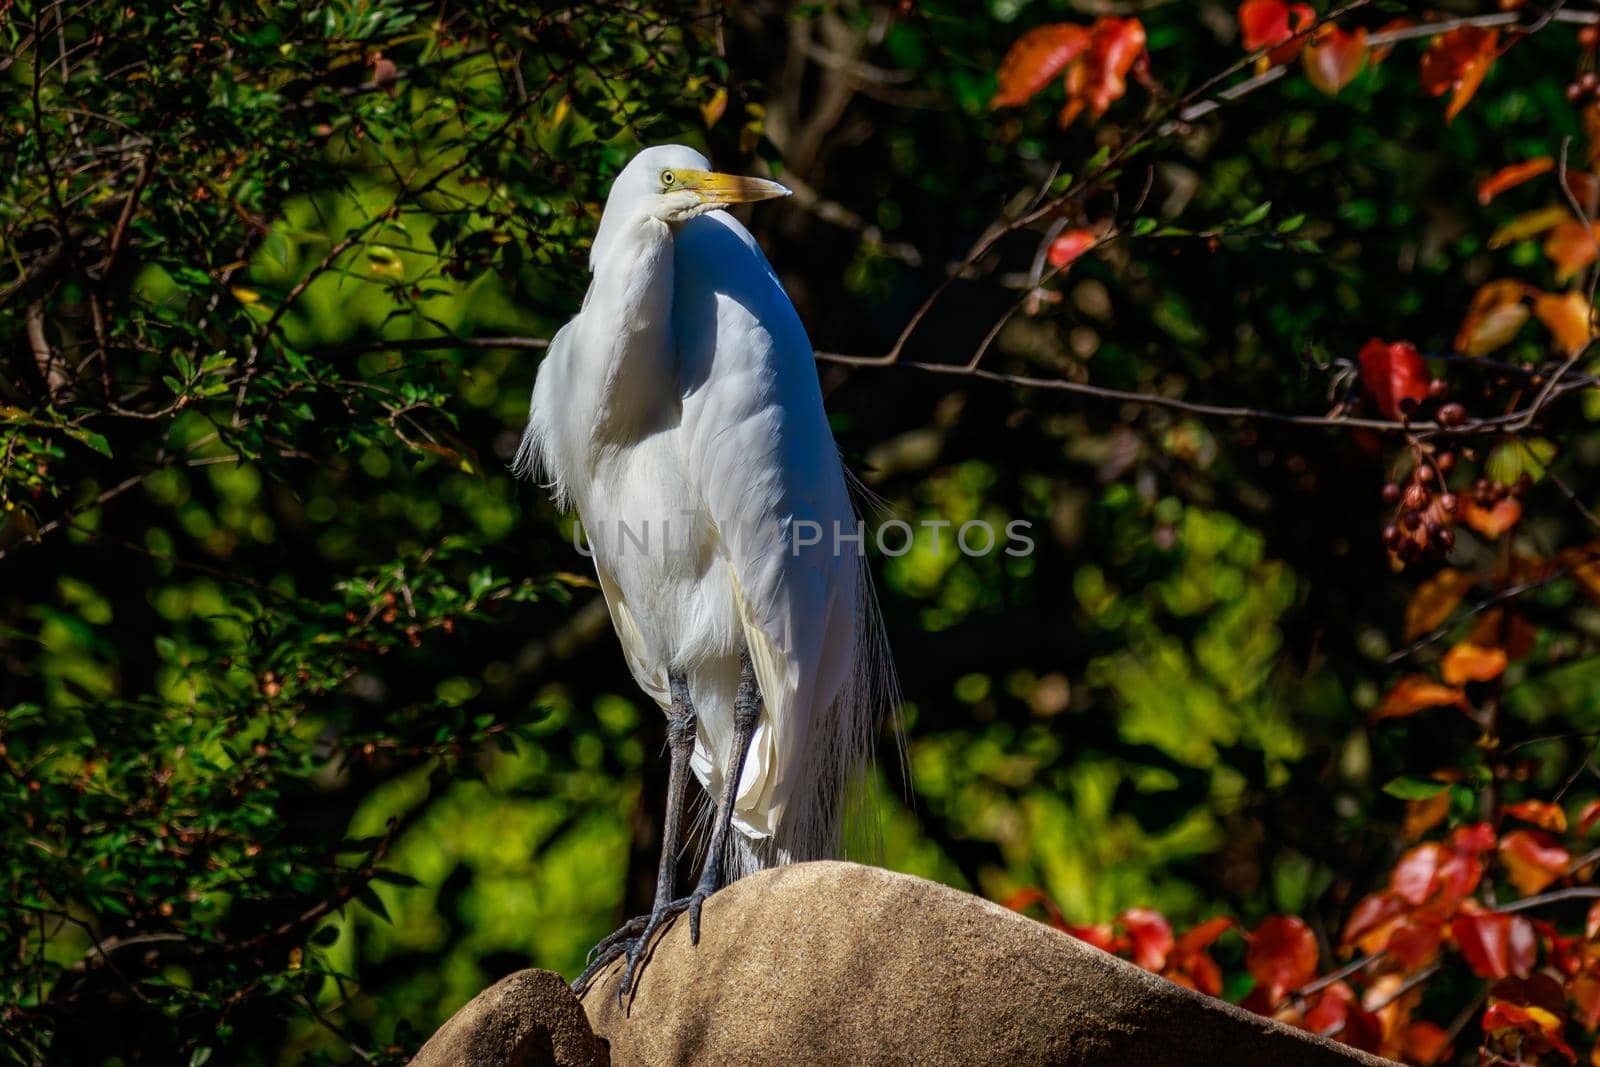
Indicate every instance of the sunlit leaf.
{"type": "Point", "coordinates": [1393, 374]}
{"type": "Point", "coordinates": [1069, 246]}
{"type": "Point", "coordinates": [1541, 813]}
{"type": "Point", "coordinates": [1468, 662]}
{"type": "Point", "coordinates": [1571, 246]}
{"type": "Point", "coordinates": [1417, 693]}
{"type": "Point", "coordinates": [1151, 934]}
{"type": "Point", "coordinates": [1511, 176]}
{"type": "Point", "coordinates": [1434, 600]}
{"type": "Point", "coordinates": [1334, 58]}
{"type": "Point", "coordinates": [1569, 318]}
{"type": "Point", "coordinates": [1456, 62]}
{"type": "Point", "coordinates": [1532, 860]}
{"type": "Point", "coordinates": [1496, 314]}
{"type": "Point", "coordinates": [1282, 954]}
{"type": "Point", "coordinates": [1037, 57]}
{"type": "Point", "coordinates": [1495, 945]}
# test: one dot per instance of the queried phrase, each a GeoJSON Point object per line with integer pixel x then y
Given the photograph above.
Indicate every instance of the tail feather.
{"type": "Point", "coordinates": [832, 789]}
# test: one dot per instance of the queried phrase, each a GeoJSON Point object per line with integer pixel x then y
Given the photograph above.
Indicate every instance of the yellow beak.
{"type": "Point", "coordinates": [720, 189]}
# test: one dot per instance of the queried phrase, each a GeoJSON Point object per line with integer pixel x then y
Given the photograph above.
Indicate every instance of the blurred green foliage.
{"type": "Point", "coordinates": [312, 723]}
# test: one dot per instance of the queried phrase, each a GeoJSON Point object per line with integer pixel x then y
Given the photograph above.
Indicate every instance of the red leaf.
{"type": "Point", "coordinates": [1282, 954]}
{"type": "Point", "coordinates": [1373, 921]}
{"type": "Point", "coordinates": [1100, 935]}
{"type": "Point", "coordinates": [1023, 899]}
{"type": "Point", "coordinates": [1457, 61]}
{"type": "Point", "coordinates": [1201, 937]}
{"type": "Point", "coordinates": [1101, 78]}
{"type": "Point", "coordinates": [1533, 860]}
{"type": "Point", "coordinates": [1334, 58]}
{"type": "Point", "coordinates": [1036, 57]}
{"type": "Point", "coordinates": [1152, 936]}
{"type": "Point", "coordinates": [1069, 246]}
{"type": "Point", "coordinates": [1415, 944]}
{"type": "Point", "coordinates": [1265, 24]}
{"type": "Point", "coordinates": [1414, 876]}
{"type": "Point", "coordinates": [1587, 817]}
{"type": "Point", "coordinates": [1541, 813]}
{"type": "Point", "coordinates": [1513, 175]}
{"type": "Point", "coordinates": [1393, 373]}
{"type": "Point", "coordinates": [1495, 945]}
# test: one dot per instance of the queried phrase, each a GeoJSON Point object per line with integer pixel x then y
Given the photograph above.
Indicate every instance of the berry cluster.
{"type": "Point", "coordinates": [1425, 509]}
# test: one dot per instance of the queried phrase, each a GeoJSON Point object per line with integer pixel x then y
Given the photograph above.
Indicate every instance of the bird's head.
{"type": "Point", "coordinates": [672, 183]}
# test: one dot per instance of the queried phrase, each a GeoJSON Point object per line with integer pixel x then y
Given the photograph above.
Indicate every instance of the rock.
{"type": "Point", "coordinates": [835, 963]}
{"type": "Point", "coordinates": [826, 963]}
{"type": "Point", "coordinates": [527, 1019]}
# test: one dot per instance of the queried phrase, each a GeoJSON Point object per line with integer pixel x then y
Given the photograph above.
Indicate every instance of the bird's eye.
{"type": "Point", "coordinates": [668, 178]}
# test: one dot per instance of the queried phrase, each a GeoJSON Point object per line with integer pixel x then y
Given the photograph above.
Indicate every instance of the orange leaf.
{"type": "Point", "coordinates": [1416, 693]}
{"type": "Point", "coordinates": [1532, 859]}
{"type": "Point", "coordinates": [1457, 61]}
{"type": "Point", "coordinates": [1585, 993]}
{"type": "Point", "coordinates": [1509, 631]}
{"type": "Point", "coordinates": [1101, 77]}
{"type": "Point", "coordinates": [1513, 175]}
{"type": "Point", "coordinates": [1282, 954]}
{"type": "Point", "coordinates": [1069, 246]}
{"type": "Point", "coordinates": [1493, 319]}
{"type": "Point", "coordinates": [1393, 373]}
{"type": "Point", "coordinates": [1426, 1043]}
{"type": "Point", "coordinates": [1527, 1019]}
{"type": "Point", "coordinates": [1373, 921]}
{"type": "Point", "coordinates": [1529, 224]}
{"type": "Point", "coordinates": [1584, 564]}
{"type": "Point", "coordinates": [1495, 945]}
{"type": "Point", "coordinates": [1434, 600]}
{"type": "Point", "coordinates": [1334, 58]}
{"type": "Point", "coordinates": [1570, 247]}
{"type": "Point", "coordinates": [1494, 520]}
{"type": "Point", "coordinates": [1036, 57]}
{"type": "Point", "coordinates": [1424, 815]}
{"type": "Point", "coordinates": [1568, 317]}
{"type": "Point", "coordinates": [1467, 662]}
{"type": "Point", "coordinates": [1586, 817]}
{"type": "Point", "coordinates": [1541, 813]}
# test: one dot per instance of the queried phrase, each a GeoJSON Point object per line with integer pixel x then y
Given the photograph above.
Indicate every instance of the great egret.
{"type": "Point", "coordinates": [679, 411]}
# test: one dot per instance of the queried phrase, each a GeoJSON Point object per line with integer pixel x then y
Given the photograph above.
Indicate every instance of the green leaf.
{"type": "Point", "coordinates": [1408, 788]}
{"type": "Point", "coordinates": [1256, 214]}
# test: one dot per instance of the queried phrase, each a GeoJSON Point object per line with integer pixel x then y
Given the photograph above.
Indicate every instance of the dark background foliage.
{"type": "Point", "coordinates": [311, 721]}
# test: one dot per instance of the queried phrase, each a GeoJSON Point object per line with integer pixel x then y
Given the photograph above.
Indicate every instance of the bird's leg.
{"type": "Point", "coordinates": [746, 713]}
{"type": "Point", "coordinates": [680, 745]}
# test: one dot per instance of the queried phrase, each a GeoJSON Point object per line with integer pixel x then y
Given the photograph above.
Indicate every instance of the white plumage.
{"type": "Point", "coordinates": [679, 412]}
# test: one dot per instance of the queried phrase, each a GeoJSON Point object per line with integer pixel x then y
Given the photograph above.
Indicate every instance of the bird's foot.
{"type": "Point", "coordinates": [633, 938]}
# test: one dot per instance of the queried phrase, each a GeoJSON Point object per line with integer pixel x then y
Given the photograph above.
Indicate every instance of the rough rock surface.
{"type": "Point", "coordinates": [527, 1019]}
{"type": "Point", "coordinates": [827, 963]}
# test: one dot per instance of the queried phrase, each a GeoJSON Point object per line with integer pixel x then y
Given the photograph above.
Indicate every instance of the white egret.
{"type": "Point", "coordinates": [680, 413]}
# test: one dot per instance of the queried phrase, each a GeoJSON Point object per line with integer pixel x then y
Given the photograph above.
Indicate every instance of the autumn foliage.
{"type": "Point", "coordinates": [1482, 860]}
